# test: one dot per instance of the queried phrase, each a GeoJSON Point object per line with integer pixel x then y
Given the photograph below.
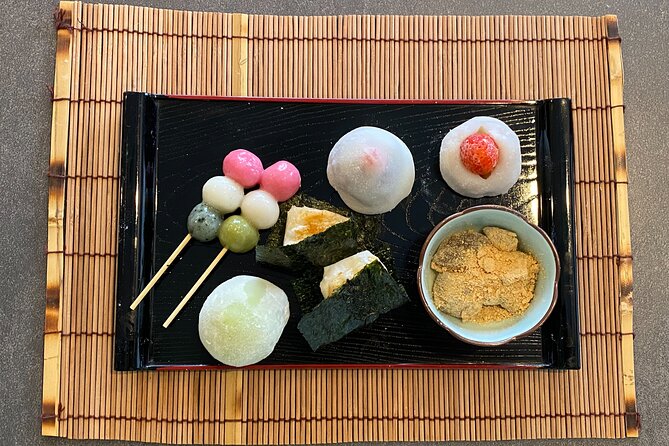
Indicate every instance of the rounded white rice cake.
{"type": "Point", "coordinates": [242, 320]}
{"type": "Point", "coordinates": [371, 169]}
{"type": "Point", "coordinates": [468, 183]}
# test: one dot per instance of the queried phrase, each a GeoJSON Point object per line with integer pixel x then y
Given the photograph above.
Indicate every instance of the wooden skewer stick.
{"type": "Point", "coordinates": [160, 272]}
{"type": "Point", "coordinates": [195, 287]}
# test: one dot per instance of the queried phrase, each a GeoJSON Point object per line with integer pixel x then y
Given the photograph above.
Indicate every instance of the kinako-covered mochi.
{"type": "Point", "coordinates": [356, 290]}
{"type": "Point", "coordinates": [311, 232]}
{"type": "Point", "coordinates": [482, 277]}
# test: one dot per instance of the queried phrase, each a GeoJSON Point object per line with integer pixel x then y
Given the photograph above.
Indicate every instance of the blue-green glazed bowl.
{"type": "Point", "coordinates": [532, 239]}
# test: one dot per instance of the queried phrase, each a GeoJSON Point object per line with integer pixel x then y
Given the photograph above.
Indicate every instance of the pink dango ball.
{"type": "Point", "coordinates": [281, 179]}
{"type": "Point", "coordinates": [243, 167]}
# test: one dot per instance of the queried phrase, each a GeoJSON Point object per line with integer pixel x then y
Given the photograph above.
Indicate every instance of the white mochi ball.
{"type": "Point", "coordinates": [223, 194]}
{"type": "Point", "coordinates": [260, 209]}
{"type": "Point", "coordinates": [372, 169]}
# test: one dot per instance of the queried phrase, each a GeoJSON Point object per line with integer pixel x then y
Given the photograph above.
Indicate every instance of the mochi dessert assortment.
{"type": "Point", "coordinates": [342, 272]}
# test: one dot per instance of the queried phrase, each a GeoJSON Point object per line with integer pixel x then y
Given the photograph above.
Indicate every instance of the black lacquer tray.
{"type": "Point", "coordinates": [172, 145]}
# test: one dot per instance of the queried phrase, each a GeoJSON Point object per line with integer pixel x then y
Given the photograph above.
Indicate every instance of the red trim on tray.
{"type": "Point", "coordinates": [351, 100]}
{"type": "Point", "coordinates": [352, 366]}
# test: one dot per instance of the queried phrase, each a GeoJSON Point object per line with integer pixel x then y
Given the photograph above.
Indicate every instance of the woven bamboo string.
{"type": "Point", "coordinates": [118, 48]}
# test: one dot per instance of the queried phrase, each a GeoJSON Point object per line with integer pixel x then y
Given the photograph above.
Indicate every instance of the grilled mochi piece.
{"type": "Point", "coordinates": [303, 222]}
{"type": "Point", "coordinates": [313, 233]}
{"type": "Point", "coordinates": [357, 290]}
{"type": "Point", "coordinates": [336, 275]}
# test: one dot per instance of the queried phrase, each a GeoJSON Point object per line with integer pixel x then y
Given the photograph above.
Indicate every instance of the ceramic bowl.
{"type": "Point", "coordinates": [532, 239]}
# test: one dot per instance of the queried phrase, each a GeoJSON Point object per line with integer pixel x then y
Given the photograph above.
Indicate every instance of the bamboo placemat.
{"type": "Point", "coordinates": [104, 50]}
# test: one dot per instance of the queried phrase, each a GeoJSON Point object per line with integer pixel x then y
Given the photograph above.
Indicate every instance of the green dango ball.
{"type": "Point", "coordinates": [204, 222]}
{"type": "Point", "coordinates": [237, 234]}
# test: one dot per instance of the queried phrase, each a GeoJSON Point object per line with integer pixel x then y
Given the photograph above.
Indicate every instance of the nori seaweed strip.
{"type": "Point", "coordinates": [357, 303]}
{"type": "Point", "coordinates": [275, 237]}
{"type": "Point", "coordinates": [307, 286]}
{"type": "Point", "coordinates": [307, 289]}
{"type": "Point", "coordinates": [335, 243]}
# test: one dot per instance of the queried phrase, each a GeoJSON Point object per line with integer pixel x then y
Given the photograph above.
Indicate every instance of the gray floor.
{"type": "Point", "coordinates": [26, 71]}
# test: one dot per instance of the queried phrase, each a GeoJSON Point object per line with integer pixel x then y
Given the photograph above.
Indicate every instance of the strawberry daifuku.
{"type": "Point", "coordinates": [480, 157]}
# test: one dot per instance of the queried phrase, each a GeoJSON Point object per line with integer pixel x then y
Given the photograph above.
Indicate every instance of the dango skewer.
{"type": "Point", "coordinates": [220, 195]}
{"type": "Point", "coordinates": [203, 224]}
{"type": "Point", "coordinates": [236, 234]}
{"type": "Point", "coordinates": [260, 210]}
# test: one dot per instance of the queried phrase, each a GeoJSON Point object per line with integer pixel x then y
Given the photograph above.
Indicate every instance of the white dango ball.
{"type": "Point", "coordinates": [223, 194]}
{"type": "Point", "coordinates": [242, 320]}
{"type": "Point", "coordinates": [371, 169]}
{"type": "Point", "coordinates": [260, 209]}
{"type": "Point", "coordinates": [469, 183]}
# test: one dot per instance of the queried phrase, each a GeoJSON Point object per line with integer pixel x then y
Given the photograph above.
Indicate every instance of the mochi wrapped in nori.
{"type": "Point", "coordinates": [356, 291]}
{"type": "Point", "coordinates": [312, 232]}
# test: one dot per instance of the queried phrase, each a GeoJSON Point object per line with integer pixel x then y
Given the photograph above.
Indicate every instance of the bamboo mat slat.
{"type": "Point", "coordinates": [104, 50]}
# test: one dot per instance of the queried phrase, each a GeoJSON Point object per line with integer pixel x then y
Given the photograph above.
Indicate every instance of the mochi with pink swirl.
{"type": "Point", "coordinates": [371, 169]}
